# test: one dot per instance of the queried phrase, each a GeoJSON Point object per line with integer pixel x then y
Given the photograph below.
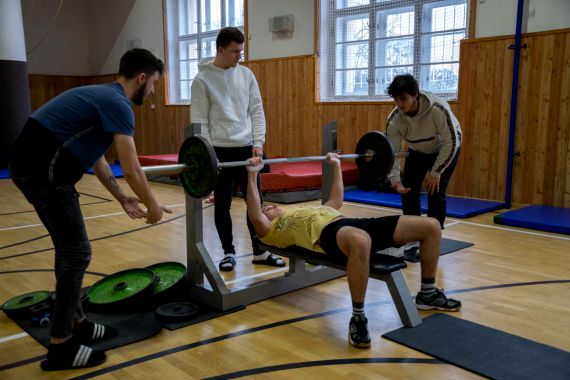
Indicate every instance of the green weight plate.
{"type": "Point", "coordinates": [121, 286]}
{"type": "Point", "coordinates": [168, 273]}
{"type": "Point", "coordinates": [199, 155]}
{"type": "Point", "coordinates": [383, 159]}
{"type": "Point", "coordinates": [26, 301]}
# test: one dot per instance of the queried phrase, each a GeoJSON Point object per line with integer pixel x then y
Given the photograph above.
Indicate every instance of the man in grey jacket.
{"type": "Point", "coordinates": [433, 134]}
{"type": "Point", "coordinates": [227, 103]}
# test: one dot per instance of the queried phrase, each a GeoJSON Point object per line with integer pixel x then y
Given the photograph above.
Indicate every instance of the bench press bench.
{"type": "Point", "coordinates": [382, 267]}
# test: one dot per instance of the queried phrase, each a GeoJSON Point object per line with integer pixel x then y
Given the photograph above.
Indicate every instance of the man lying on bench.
{"type": "Point", "coordinates": [324, 229]}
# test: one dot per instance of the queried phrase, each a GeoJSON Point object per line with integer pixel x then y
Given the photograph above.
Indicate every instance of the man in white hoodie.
{"type": "Point", "coordinates": [227, 103]}
{"type": "Point", "coordinates": [433, 134]}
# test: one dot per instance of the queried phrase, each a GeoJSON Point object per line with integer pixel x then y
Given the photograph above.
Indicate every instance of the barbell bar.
{"type": "Point", "coordinates": [179, 168]}
{"type": "Point", "coordinates": [198, 166]}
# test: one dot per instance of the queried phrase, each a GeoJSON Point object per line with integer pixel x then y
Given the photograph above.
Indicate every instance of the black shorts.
{"type": "Point", "coordinates": [381, 231]}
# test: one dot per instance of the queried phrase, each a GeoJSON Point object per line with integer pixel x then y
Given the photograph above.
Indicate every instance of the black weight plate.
{"type": "Point", "coordinates": [383, 159]}
{"type": "Point", "coordinates": [199, 155]}
{"type": "Point", "coordinates": [177, 312]}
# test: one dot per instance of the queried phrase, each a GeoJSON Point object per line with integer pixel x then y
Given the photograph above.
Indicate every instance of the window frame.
{"type": "Point", "coordinates": [172, 43]}
{"type": "Point", "coordinates": [373, 9]}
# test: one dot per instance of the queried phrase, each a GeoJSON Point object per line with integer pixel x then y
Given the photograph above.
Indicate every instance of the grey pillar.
{"type": "Point", "coordinates": [14, 88]}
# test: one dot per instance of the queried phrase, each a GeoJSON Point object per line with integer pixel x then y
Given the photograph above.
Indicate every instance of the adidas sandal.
{"type": "Point", "coordinates": [227, 264]}
{"type": "Point", "coordinates": [87, 332]}
{"type": "Point", "coordinates": [71, 355]}
{"type": "Point", "coordinates": [271, 260]}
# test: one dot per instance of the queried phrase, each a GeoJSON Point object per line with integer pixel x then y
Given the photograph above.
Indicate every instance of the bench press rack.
{"type": "Point", "coordinates": [217, 295]}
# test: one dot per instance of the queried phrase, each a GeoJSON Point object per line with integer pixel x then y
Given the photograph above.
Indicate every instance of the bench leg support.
{"type": "Point", "coordinates": [403, 299]}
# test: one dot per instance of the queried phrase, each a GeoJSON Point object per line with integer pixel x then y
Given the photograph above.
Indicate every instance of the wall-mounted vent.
{"type": "Point", "coordinates": [281, 24]}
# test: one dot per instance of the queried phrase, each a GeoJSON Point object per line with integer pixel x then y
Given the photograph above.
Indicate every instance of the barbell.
{"type": "Point", "coordinates": [198, 165]}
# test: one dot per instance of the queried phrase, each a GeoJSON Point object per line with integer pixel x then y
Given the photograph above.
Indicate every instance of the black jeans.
{"type": "Point", "coordinates": [417, 166]}
{"type": "Point", "coordinates": [58, 209]}
{"type": "Point", "coordinates": [227, 178]}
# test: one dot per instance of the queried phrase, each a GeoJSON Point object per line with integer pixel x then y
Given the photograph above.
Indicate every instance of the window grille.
{"type": "Point", "coordinates": [192, 27]}
{"type": "Point", "coordinates": [364, 44]}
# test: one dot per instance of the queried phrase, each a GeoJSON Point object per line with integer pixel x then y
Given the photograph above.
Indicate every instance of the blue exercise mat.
{"type": "Point", "coordinates": [4, 173]}
{"type": "Point", "coordinates": [115, 168]}
{"type": "Point", "coordinates": [544, 218]}
{"type": "Point", "coordinates": [456, 207]}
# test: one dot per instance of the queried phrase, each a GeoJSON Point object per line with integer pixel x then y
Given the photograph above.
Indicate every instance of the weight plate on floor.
{"type": "Point", "coordinates": [122, 288]}
{"type": "Point", "coordinates": [169, 275]}
{"type": "Point", "coordinates": [383, 159]}
{"type": "Point", "coordinates": [24, 304]}
{"type": "Point", "coordinates": [177, 312]}
{"type": "Point", "coordinates": [200, 178]}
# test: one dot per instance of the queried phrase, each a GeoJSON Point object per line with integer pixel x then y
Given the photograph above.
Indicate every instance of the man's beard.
{"type": "Point", "coordinates": [139, 98]}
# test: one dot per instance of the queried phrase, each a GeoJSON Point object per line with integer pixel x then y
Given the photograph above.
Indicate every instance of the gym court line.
{"type": "Point", "coordinates": [100, 200]}
{"type": "Point", "coordinates": [99, 238]}
{"type": "Point", "coordinates": [269, 326]}
{"type": "Point", "coordinates": [190, 346]}
{"type": "Point", "coordinates": [87, 218]}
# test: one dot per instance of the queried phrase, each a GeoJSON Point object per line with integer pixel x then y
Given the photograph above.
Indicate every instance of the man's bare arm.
{"type": "Point", "coordinates": [136, 178]}
{"type": "Point", "coordinates": [130, 204]}
{"type": "Point", "coordinates": [336, 195]}
{"type": "Point", "coordinates": [260, 222]}
{"type": "Point", "coordinates": [105, 175]}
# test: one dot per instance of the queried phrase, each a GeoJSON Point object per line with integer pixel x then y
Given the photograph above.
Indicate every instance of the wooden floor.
{"type": "Point", "coordinates": [315, 320]}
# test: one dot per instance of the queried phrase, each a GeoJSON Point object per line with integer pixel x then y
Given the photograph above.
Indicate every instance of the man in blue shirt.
{"type": "Point", "coordinates": [59, 143]}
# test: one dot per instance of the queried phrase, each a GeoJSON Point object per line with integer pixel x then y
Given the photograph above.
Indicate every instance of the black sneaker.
{"type": "Point", "coordinates": [437, 300]}
{"type": "Point", "coordinates": [358, 334]}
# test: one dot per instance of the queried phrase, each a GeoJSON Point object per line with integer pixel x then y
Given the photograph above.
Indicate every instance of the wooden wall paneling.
{"type": "Point", "coordinates": [484, 91]}
{"type": "Point", "coordinates": [527, 123]}
{"type": "Point", "coordinates": [560, 120]}
{"type": "Point", "coordinates": [562, 183]}
{"type": "Point", "coordinates": [523, 109]}
{"type": "Point", "coordinates": [45, 87]}
{"type": "Point", "coordinates": [549, 94]}
{"type": "Point", "coordinates": [504, 119]}
{"type": "Point", "coordinates": [494, 128]}
{"type": "Point", "coordinates": [467, 60]}
{"type": "Point", "coordinates": [294, 119]}
{"type": "Point", "coordinates": [473, 129]}
{"type": "Point", "coordinates": [540, 172]}
{"type": "Point", "coordinates": [534, 163]}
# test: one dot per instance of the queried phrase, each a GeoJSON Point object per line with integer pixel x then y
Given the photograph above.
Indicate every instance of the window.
{"type": "Point", "coordinates": [192, 27]}
{"type": "Point", "coordinates": [364, 44]}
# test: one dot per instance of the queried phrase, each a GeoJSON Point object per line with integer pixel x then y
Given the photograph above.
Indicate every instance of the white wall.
{"type": "Point", "coordinates": [262, 43]}
{"type": "Point", "coordinates": [65, 50]}
{"type": "Point", "coordinates": [12, 43]}
{"type": "Point", "coordinates": [89, 36]}
{"type": "Point", "coordinates": [113, 24]}
{"type": "Point", "coordinates": [498, 17]}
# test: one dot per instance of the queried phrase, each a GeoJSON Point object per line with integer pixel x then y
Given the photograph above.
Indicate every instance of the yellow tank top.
{"type": "Point", "coordinates": [301, 227]}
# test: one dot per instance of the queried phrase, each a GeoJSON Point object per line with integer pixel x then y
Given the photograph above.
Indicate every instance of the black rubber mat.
{"type": "Point", "coordinates": [205, 314]}
{"type": "Point", "coordinates": [484, 350]}
{"type": "Point", "coordinates": [447, 246]}
{"type": "Point", "coordinates": [133, 327]}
